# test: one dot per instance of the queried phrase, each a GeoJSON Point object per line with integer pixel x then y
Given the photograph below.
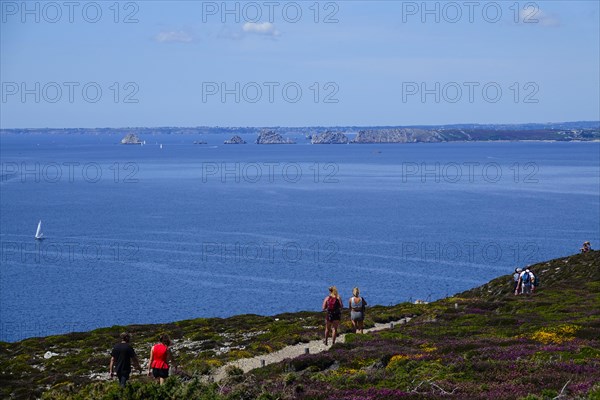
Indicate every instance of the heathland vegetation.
{"type": "Point", "coordinates": [485, 343]}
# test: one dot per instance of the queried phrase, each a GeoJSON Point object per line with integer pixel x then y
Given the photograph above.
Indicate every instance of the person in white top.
{"type": "Point", "coordinates": [526, 281]}
{"type": "Point", "coordinates": [516, 277]}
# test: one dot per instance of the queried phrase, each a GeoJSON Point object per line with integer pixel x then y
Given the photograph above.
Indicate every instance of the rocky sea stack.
{"type": "Point", "coordinates": [270, 137]}
{"type": "Point", "coordinates": [131, 138]}
{"type": "Point", "coordinates": [235, 140]}
{"type": "Point", "coordinates": [330, 137]}
{"type": "Point", "coordinates": [400, 135]}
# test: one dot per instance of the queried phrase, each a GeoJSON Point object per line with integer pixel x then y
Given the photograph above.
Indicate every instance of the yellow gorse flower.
{"type": "Point", "coordinates": [556, 335]}
{"type": "Point", "coordinates": [395, 360]}
{"type": "Point", "coordinates": [427, 348]}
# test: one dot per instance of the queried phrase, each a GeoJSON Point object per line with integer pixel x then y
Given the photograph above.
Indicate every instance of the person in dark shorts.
{"type": "Point", "coordinates": [332, 304]}
{"type": "Point", "coordinates": [160, 356]}
{"type": "Point", "coordinates": [357, 306]}
{"type": "Point", "coordinates": [122, 356]}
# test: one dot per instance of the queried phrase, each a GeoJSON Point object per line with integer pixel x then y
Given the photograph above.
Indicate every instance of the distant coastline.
{"type": "Point", "coordinates": [577, 131]}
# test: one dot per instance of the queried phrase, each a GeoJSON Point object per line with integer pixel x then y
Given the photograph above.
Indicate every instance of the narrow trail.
{"type": "Point", "coordinates": [313, 347]}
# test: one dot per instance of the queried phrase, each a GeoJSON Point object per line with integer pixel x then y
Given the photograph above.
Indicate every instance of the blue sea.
{"type": "Point", "coordinates": [144, 234]}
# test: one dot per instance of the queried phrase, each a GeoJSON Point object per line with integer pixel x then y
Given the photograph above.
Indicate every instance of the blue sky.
{"type": "Point", "coordinates": [192, 63]}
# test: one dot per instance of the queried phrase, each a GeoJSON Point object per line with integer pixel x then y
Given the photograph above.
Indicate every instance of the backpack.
{"type": "Point", "coordinates": [333, 304]}
{"type": "Point", "coordinates": [526, 279]}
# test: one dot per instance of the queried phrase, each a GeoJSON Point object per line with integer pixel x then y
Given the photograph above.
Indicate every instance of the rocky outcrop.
{"type": "Point", "coordinates": [330, 137]}
{"type": "Point", "coordinates": [131, 138]}
{"type": "Point", "coordinates": [400, 135]}
{"type": "Point", "coordinates": [235, 140]}
{"type": "Point", "coordinates": [270, 137]}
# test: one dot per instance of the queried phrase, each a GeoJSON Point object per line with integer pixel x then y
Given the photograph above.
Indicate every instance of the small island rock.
{"type": "Point", "coordinates": [131, 138]}
{"type": "Point", "coordinates": [235, 140]}
{"type": "Point", "coordinates": [270, 137]}
{"type": "Point", "coordinates": [330, 137]}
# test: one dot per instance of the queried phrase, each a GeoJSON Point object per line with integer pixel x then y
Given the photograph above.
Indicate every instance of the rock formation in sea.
{"type": "Point", "coordinates": [235, 140]}
{"type": "Point", "coordinates": [329, 137]}
{"type": "Point", "coordinates": [131, 138]}
{"type": "Point", "coordinates": [399, 135]}
{"type": "Point", "coordinates": [270, 137]}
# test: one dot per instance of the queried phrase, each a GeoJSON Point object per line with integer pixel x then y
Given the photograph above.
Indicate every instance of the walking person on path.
{"type": "Point", "coordinates": [516, 277]}
{"type": "Point", "coordinates": [160, 356]}
{"type": "Point", "coordinates": [357, 306]}
{"type": "Point", "coordinates": [535, 280]}
{"type": "Point", "coordinates": [525, 281]}
{"type": "Point", "coordinates": [332, 304]}
{"type": "Point", "coordinates": [121, 358]}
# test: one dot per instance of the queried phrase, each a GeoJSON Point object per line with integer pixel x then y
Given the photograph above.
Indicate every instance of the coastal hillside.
{"type": "Point", "coordinates": [485, 343]}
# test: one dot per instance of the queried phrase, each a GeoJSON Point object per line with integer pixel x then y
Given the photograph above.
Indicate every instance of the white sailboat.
{"type": "Point", "coordinates": [161, 145]}
{"type": "Point", "coordinates": [38, 233]}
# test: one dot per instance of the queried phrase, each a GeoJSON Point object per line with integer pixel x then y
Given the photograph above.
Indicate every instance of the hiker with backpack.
{"type": "Point", "coordinates": [332, 305]}
{"type": "Point", "coordinates": [357, 306]}
{"type": "Point", "coordinates": [525, 281]}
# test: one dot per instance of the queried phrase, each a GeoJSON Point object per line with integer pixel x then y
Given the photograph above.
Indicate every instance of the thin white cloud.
{"type": "Point", "coordinates": [531, 16]}
{"type": "Point", "coordinates": [260, 28]}
{"type": "Point", "coordinates": [174, 37]}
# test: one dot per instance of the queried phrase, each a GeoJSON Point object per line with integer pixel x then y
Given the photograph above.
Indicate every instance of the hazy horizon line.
{"type": "Point", "coordinates": [309, 126]}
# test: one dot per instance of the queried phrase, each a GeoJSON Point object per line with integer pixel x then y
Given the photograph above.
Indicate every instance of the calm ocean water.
{"type": "Point", "coordinates": [140, 234]}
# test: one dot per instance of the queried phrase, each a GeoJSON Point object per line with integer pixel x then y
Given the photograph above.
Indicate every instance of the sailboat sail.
{"type": "Point", "coordinates": [38, 232]}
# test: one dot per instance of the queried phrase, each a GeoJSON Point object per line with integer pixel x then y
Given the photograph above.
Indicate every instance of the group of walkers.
{"type": "Point", "coordinates": [123, 355]}
{"type": "Point", "coordinates": [525, 281]}
{"type": "Point", "coordinates": [586, 247]}
{"type": "Point", "coordinates": [333, 304]}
